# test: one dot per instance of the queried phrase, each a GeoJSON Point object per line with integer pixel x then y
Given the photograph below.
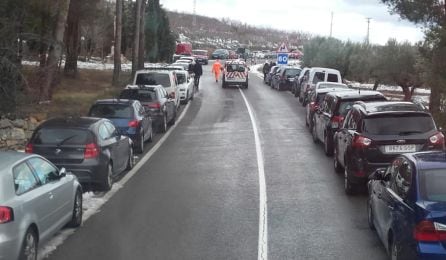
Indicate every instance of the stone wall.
{"type": "Point", "coordinates": [14, 133]}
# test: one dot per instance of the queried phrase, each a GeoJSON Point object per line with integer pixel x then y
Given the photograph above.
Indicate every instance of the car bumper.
{"type": "Point", "coordinates": [9, 246]}
{"type": "Point", "coordinates": [183, 95]}
{"type": "Point", "coordinates": [431, 251]}
{"type": "Point", "coordinates": [90, 171]}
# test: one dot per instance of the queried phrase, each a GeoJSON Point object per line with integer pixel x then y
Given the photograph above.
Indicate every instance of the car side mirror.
{"type": "Point", "coordinates": [378, 174]}
{"type": "Point", "coordinates": [62, 172]}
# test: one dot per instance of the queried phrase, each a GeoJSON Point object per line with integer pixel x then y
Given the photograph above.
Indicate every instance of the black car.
{"type": "Point", "coordinates": [373, 134]}
{"type": "Point", "coordinates": [221, 54]}
{"type": "Point", "coordinates": [160, 106]}
{"type": "Point", "coordinates": [269, 76]}
{"type": "Point", "coordinates": [91, 148]}
{"type": "Point", "coordinates": [129, 116]}
{"type": "Point", "coordinates": [284, 78]}
{"type": "Point", "coordinates": [329, 116]}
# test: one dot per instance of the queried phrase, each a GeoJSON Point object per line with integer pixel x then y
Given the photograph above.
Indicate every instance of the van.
{"type": "Point", "coordinates": [315, 75]}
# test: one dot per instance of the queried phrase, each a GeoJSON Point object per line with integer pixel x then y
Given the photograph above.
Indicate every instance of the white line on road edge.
{"type": "Point", "coordinates": [57, 240]}
{"type": "Point", "coordinates": [263, 208]}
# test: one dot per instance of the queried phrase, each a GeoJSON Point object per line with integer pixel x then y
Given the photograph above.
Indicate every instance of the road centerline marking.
{"type": "Point", "coordinates": [262, 253]}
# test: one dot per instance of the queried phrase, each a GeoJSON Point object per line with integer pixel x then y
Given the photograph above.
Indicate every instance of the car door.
{"type": "Point", "coordinates": [317, 118]}
{"type": "Point", "coordinates": [326, 119]}
{"type": "Point", "coordinates": [59, 189]}
{"type": "Point", "coordinates": [121, 145]}
{"type": "Point", "coordinates": [341, 138]}
{"type": "Point", "coordinates": [169, 105]}
{"type": "Point", "coordinates": [143, 118]}
{"type": "Point", "coordinates": [107, 143]}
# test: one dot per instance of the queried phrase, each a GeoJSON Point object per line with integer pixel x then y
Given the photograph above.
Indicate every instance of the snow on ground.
{"type": "Point", "coordinates": [96, 65]}
{"type": "Point", "coordinates": [420, 91]}
{"type": "Point", "coordinates": [255, 69]}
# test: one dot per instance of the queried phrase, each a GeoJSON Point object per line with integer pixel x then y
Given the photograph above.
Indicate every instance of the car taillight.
{"type": "Point", "coordinates": [134, 123]}
{"type": "Point", "coordinates": [336, 121]}
{"type": "Point", "coordinates": [428, 231]}
{"type": "Point", "coordinates": [437, 139]}
{"type": "Point", "coordinates": [91, 151]}
{"type": "Point", "coordinates": [156, 105]}
{"type": "Point", "coordinates": [29, 148]}
{"type": "Point", "coordinates": [6, 215]}
{"type": "Point", "coordinates": [360, 141]}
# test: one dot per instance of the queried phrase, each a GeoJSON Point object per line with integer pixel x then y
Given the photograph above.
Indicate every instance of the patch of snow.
{"type": "Point", "coordinates": [255, 69]}
{"type": "Point", "coordinates": [95, 65]}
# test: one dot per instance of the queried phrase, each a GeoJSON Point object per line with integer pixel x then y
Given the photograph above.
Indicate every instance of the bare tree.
{"type": "Point", "coordinates": [72, 38]}
{"type": "Point", "coordinates": [142, 36]}
{"type": "Point", "coordinates": [135, 49]}
{"type": "Point", "coordinates": [118, 36]}
{"type": "Point", "coordinates": [55, 51]}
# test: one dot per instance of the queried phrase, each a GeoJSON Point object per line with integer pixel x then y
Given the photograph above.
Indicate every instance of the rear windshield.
{"type": "Point", "coordinates": [143, 95]}
{"type": "Point", "coordinates": [152, 78]}
{"type": "Point", "coordinates": [61, 136]}
{"type": "Point", "coordinates": [398, 124]}
{"type": "Point", "coordinates": [181, 78]}
{"type": "Point", "coordinates": [318, 77]}
{"type": "Point", "coordinates": [111, 111]}
{"type": "Point", "coordinates": [292, 72]}
{"type": "Point", "coordinates": [432, 185]}
{"type": "Point", "coordinates": [235, 67]}
{"type": "Point", "coordinates": [320, 97]}
{"type": "Point", "coordinates": [346, 105]}
{"type": "Point", "coordinates": [332, 78]}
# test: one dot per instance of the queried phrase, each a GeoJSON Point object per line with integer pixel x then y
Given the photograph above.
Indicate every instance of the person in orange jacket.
{"type": "Point", "coordinates": [216, 69]}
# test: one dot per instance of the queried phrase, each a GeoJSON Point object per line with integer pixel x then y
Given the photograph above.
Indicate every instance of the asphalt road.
{"type": "Point", "coordinates": [198, 196]}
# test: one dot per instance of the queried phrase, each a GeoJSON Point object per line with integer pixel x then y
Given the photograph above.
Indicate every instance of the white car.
{"type": "Point", "coordinates": [165, 78]}
{"type": "Point", "coordinates": [186, 86]}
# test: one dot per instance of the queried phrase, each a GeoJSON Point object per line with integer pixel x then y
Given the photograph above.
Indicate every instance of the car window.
{"type": "Point", "coordinates": [344, 107]}
{"type": "Point", "coordinates": [60, 136]}
{"type": "Point", "coordinates": [111, 111]}
{"type": "Point", "coordinates": [320, 97]}
{"type": "Point", "coordinates": [143, 95]}
{"type": "Point", "coordinates": [104, 134]}
{"type": "Point", "coordinates": [153, 78]}
{"type": "Point", "coordinates": [24, 179]}
{"type": "Point", "coordinates": [398, 124]}
{"type": "Point", "coordinates": [347, 120]}
{"type": "Point", "coordinates": [318, 77]}
{"type": "Point", "coordinates": [45, 172]}
{"type": "Point", "coordinates": [432, 185]}
{"type": "Point", "coordinates": [402, 178]}
{"type": "Point", "coordinates": [332, 77]}
{"type": "Point", "coordinates": [111, 129]}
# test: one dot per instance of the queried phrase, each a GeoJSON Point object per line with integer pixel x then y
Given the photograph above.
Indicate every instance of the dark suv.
{"type": "Point", "coordinates": [283, 80]}
{"type": "Point", "coordinates": [329, 116]}
{"type": "Point", "coordinates": [373, 134]}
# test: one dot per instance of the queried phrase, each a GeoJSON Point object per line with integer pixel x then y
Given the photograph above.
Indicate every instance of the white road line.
{"type": "Point", "coordinates": [263, 208]}
{"type": "Point", "coordinates": [58, 239]}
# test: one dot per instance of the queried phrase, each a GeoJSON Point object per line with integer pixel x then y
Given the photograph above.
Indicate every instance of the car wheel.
{"type": "Point", "coordinates": [300, 99]}
{"type": "Point", "coordinates": [29, 246]}
{"type": "Point", "coordinates": [348, 186]}
{"type": "Point", "coordinates": [173, 120]}
{"type": "Point", "coordinates": [107, 183]}
{"type": "Point", "coordinates": [140, 146]}
{"type": "Point", "coordinates": [293, 90]}
{"type": "Point", "coordinates": [328, 147]}
{"type": "Point", "coordinates": [163, 126]}
{"type": "Point", "coordinates": [370, 216]}
{"type": "Point", "coordinates": [395, 250]}
{"type": "Point", "coordinates": [306, 121]}
{"type": "Point", "coordinates": [192, 96]}
{"type": "Point", "coordinates": [314, 134]}
{"type": "Point", "coordinates": [151, 136]}
{"type": "Point", "coordinates": [76, 219]}
{"type": "Point", "coordinates": [336, 165]}
{"type": "Point", "coordinates": [187, 98]}
{"type": "Point", "coordinates": [130, 162]}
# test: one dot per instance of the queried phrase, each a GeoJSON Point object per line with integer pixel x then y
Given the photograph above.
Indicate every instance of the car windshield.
{"type": "Point", "coordinates": [143, 95]}
{"type": "Point", "coordinates": [432, 185]}
{"type": "Point", "coordinates": [346, 105]}
{"type": "Point", "coordinates": [61, 136]}
{"type": "Point", "coordinates": [153, 78]}
{"type": "Point", "coordinates": [398, 124]}
{"type": "Point", "coordinates": [112, 111]}
{"type": "Point", "coordinates": [181, 78]}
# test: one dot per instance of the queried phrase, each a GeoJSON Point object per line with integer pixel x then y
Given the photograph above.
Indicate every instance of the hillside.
{"type": "Point", "coordinates": [214, 33]}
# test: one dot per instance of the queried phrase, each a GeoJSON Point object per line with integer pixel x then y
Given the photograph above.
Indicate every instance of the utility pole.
{"type": "Point", "coordinates": [331, 25]}
{"type": "Point", "coordinates": [367, 40]}
{"type": "Point", "coordinates": [194, 22]}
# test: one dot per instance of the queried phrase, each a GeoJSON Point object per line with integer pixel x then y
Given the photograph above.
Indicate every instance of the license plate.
{"type": "Point", "coordinates": [405, 148]}
{"type": "Point", "coordinates": [291, 79]}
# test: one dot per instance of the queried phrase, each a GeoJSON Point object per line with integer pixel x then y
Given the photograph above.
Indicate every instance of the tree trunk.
{"type": "Point", "coordinates": [56, 50]}
{"type": "Point", "coordinates": [135, 49]}
{"type": "Point", "coordinates": [407, 93]}
{"type": "Point", "coordinates": [142, 36]}
{"type": "Point", "coordinates": [72, 39]}
{"type": "Point", "coordinates": [118, 37]}
{"type": "Point", "coordinates": [376, 85]}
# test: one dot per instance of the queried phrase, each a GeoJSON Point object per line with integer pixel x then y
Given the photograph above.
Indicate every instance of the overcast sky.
{"type": "Point", "coordinates": [311, 16]}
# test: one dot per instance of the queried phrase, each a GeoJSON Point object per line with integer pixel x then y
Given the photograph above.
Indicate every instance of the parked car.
{"type": "Point", "coordinates": [233, 55]}
{"type": "Point", "coordinates": [373, 134]}
{"type": "Point", "coordinates": [235, 73]}
{"type": "Point", "coordinates": [186, 86]}
{"type": "Point", "coordinates": [128, 116]}
{"type": "Point", "coordinates": [284, 78]}
{"type": "Point", "coordinates": [330, 115]}
{"type": "Point", "coordinates": [36, 200]}
{"type": "Point", "coordinates": [315, 99]}
{"type": "Point", "coordinates": [407, 206]}
{"type": "Point", "coordinates": [271, 73]}
{"type": "Point", "coordinates": [201, 56]}
{"type": "Point", "coordinates": [295, 89]}
{"type": "Point", "coordinates": [156, 101]}
{"type": "Point", "coordinates": [314, 76]}
{"type": "Point", "coordinates": [221, 54]}
{"type": "Point", "coordinates": [91, 148]}
{"type": "Point", "coordinates": [165, 78]}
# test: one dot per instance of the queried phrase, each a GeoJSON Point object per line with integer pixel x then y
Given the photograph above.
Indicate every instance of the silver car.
{"type": "Point", "coordinates": [36, 200]}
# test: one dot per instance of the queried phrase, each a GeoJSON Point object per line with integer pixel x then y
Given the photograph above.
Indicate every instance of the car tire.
{"type": "Point", "coordinates": [107, 182]}
{"type": "Point", "coordinates": [395, 250]}
{"type": "Point", "coordinates": [193, 95]}
{"type": "Point", "coordinates": [140, 147]}
{"type": "Point", "coordinates": [130, 162]}
{"type": "Point", "coordinates": [76, 218]}
{"type": "Point", "coordinates": [151, 136]}
{"type": "Point", "coordinates": [314, 135]}
{"type": "Point", "coordinates": [163, 125]}
{"type": "Point", "coordinates": [370, 217]}
{"type": "Point", "coordinates": [336, 165]}
{"type": "Point", "coordinates": [29, 245]}
{"type": "Point", "coordinates": [328, 147]}
{"type": "Point", "coordinates": [293, 90]}
{"type": "Point", "coordinates": [174, 118]}
{"type": "Point", "coordinates": [348, 186]}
